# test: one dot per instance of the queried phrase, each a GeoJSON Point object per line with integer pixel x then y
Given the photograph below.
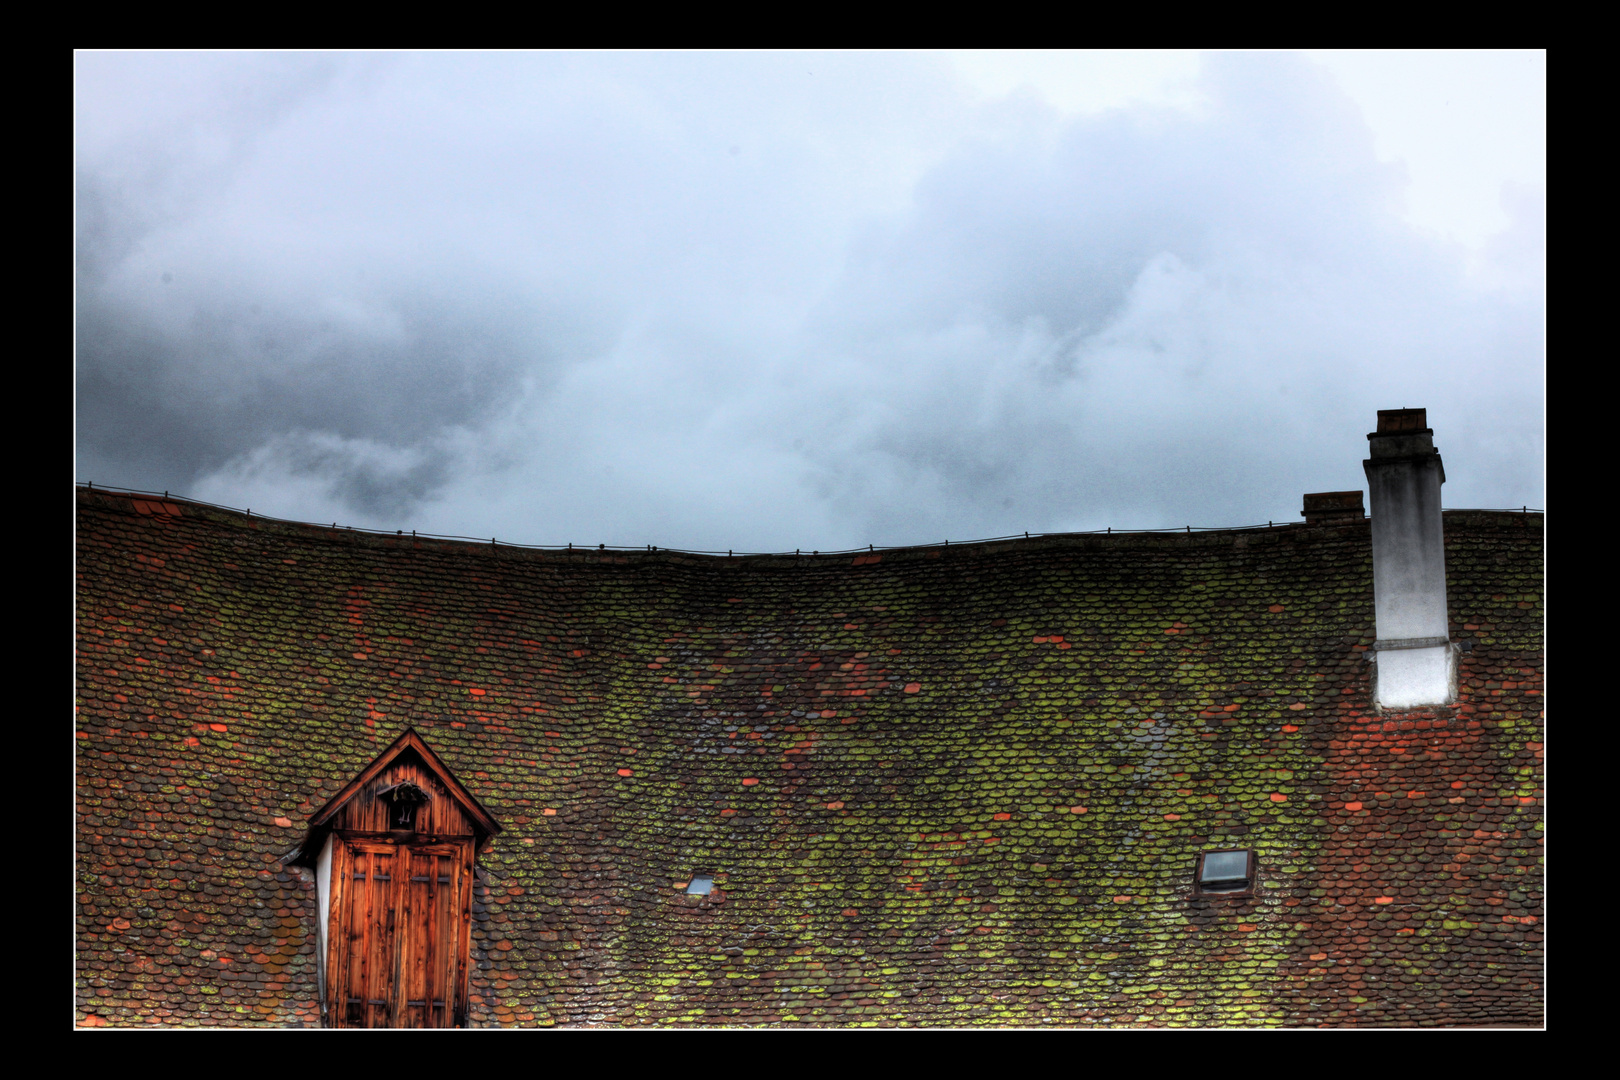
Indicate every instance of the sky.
{"type": "Point", "coordinates": [777, 301]}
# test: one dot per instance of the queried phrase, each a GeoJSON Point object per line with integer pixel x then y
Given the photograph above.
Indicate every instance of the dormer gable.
{"type": "Point", "coordinates": [405, 791]}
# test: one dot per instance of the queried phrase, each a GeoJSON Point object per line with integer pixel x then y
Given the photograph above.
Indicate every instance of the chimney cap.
{"type": "Point", "coordinates": [1403, 422]}
{"type": "Point", "coordinates": [1333, 507]}
{"type": "Point", "coordinates": [1334, 500]}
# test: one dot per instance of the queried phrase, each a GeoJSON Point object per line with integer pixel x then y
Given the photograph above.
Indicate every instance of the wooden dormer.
{"type": "Point", "coordinates": [366, 802]}
{"type": "Point", "coordinates": [393, 859]}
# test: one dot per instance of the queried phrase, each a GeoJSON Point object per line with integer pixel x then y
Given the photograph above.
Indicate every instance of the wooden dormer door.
{"type": "Point", "coordinates": [400, 921]}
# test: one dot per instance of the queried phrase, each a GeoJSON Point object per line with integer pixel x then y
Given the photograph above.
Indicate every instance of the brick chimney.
{"type": "Point", "coordinates": [1415, 661]}
{"type": "Point", "coordinates": [1333, 508]}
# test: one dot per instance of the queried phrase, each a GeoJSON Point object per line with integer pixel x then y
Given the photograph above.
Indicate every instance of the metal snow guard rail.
{"type": "Point", "coordinates": [651, 548]}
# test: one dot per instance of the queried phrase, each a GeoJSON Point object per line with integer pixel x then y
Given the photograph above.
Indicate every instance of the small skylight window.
{"type": "Point", "coordinates": [701, 884]}
{"type": "Point", "coordinates": [1225, 872]}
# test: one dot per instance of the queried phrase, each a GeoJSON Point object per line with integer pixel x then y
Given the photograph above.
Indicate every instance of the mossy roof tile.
{"type": "Point", "coordinates": [957, 818]}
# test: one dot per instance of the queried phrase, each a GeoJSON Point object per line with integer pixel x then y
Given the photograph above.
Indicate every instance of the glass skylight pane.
{"type": "Point", "coordinates": [1225, 866]}
{"type": "Point", "coordinates": [700, 886]}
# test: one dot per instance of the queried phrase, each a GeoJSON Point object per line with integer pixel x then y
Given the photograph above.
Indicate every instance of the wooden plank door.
{"type": "Point", "coordinates": [432, 963]}
{"type": "Point", "coordinates": [367, 978]}
{"type": "Point", "coordinates": [400, 949]}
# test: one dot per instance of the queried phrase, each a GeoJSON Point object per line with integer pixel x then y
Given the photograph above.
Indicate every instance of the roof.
{"type": "Point", "coordinates": [936, 786]}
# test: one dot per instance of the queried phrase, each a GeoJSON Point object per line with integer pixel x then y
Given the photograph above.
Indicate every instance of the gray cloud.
{"type": "Point", "coordinates": [768, 302]}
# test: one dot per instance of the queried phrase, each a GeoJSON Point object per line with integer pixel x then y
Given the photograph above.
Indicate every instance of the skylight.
{"type": "Point", "coordinates": [701, 884]}
{"type": "Point", "coordinates": [1225, 872]}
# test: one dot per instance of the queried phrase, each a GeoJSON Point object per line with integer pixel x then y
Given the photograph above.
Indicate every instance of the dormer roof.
{"type": "Point", "coordinates": [408, 745]}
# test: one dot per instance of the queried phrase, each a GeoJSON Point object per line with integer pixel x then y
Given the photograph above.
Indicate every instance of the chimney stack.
{"type": "Point", "coordinates": [1416, 662]}
{"type": "Point", "coordinates": [1334, 508]}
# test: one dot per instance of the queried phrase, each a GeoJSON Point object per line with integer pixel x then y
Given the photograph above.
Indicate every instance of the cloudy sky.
{"type": "Point", "coordinates": [775, 301]}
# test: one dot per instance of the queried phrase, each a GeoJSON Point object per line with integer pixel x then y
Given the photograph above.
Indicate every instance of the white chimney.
{"type": "Point", "coordinates": [1416, 664]}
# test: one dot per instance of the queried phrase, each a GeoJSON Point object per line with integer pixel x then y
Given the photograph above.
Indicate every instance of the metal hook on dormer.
{"type": "Point", "coordinates": [403, 798]}
{"type": "Point", "coordinates": [404, 791]}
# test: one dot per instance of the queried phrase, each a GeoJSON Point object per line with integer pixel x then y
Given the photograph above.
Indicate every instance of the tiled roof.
{"type": "Point", "coordinates": [934, 787]}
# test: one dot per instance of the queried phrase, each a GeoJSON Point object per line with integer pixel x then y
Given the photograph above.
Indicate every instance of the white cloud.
{"type": "Point", "coordinates": [767, 302]}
